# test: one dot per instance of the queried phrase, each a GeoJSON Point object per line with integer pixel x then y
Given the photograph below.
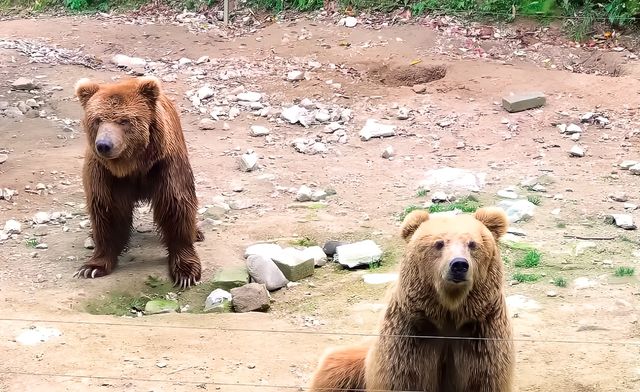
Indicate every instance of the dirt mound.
{"type": "Point", "coordinates": [407, 75]}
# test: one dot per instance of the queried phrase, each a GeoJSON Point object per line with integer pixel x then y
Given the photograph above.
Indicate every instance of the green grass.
{"type": "Point", "coordinates": [624, 271]}
{"type": "Point", "coordinates": [422, 192]}
{"type": "Point", "coordinates": [534, 199]}
{"type": "Point", "coordinates": [559, 281]}
{"type": "Point", "coordinates": [525, 278]}
{"type": "Point", "coordinates": [465, 204]}
{"type": "Point", "coordinates": [32, 242]}
{"type": "Point", "coordinates": [304, 242]}
{"type": "Point", "coordinates": [531, 259]}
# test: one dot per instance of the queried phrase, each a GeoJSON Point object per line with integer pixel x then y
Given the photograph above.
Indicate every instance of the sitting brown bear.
{"type": "Point", "coordinates": [136, 152]}
{"type": "Point", "coordinates": [450, 286]}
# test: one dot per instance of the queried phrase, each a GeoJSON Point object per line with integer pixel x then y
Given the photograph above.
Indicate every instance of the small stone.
{"type": "Point", "coordinates": [329, 248]}
{"type": "Point", "coordinates": [318, 195]}
{"type": "Point", "coordinates": [202, 60]}
{"type": "Point", "coordinates": [373, 129]}
{"type": "Point", "coordinates": [524, 101]}
{"type": "Point", "coordinates": [218, 301]}
{"type": "Point", "coordinates": [440, 197]}
{"type": "Point", "coordinates": [624, 221]}
{"type": "Point", "coordinates": [12, 226]}
{"type": "Point", "coordinates": [304, 194]}
{"type": "Point", "coordinates": [258, 130]}
{"type": "Point", "coordinates": [294, 76]}
{"type": "Point", "coordinates": [350, 21]}
{"type": "Point", "coordinates": [293, 114]}
{"type": "Point", "coordinates": [249, 96]}
{"type": "Point", "coordinates": [630, 206]}
{"type": "Point", "coordinates": [85, 223]}
{"type": "Point", "coordinates": [89, 244]}
{"type": "Point", "coordinates": [317, 254]}
{"type": "Point", "coordinates": [294, 264]}
{"type": "Point", "coordinates": [346, 115]}
{"type": "Point", "coordinates": [358, 254]}
{"type": "Point", "coordinates": [576, 151]}
{"type": "Point", "coordinates": [207, 124]}
{"type": "Point", "coordinates": [552, 293]}
{"type": "Point", "coordinates": [583, 283]}
{"type": "Point", "coordinates": [231, 277]}
{"type": "Point", "coordinates": [250, 297]}
{"type": "Point", "coordinates": [248, 162]}
{"type": "Point", "coordinates": [573, 129]}
{"type": "Point", "coordinates": [122, 60]}
{"type": "Point", "coordinates": [41, 217]}
{"type": "Point", "coordinates": [388, 153]}
{"type": "Point", "coordinates": [23, 84]}
{"type": "Point", "coordinates": [13, 112]}
{"type": "Point", "coordinates": [23, 107]}
{"type": "Point", "coordinates": [32, 103]}
{"type": "Point", "coordinates": [539, 188]}
{"type": "Point", "coordinates": [575, 137]}
{"type": "Point", "coordinates": [158, 306]}
{"type": "Point", "coordinates": [263, 270]}
{"type": "Point", "coordinates": [241, 204]}
{"type": "Point", "coordinates": [205, 92]}
{"type": "Point", "coordinates": [419, 88]}
{"type": "Point", "coordinates": [619, 196]}
{"type": "Point", "coordinates": [184, 61]}
{"type": "Point", "coordinates": [380, 278]}
{"type": "Point", "coordinates": [403, 113]}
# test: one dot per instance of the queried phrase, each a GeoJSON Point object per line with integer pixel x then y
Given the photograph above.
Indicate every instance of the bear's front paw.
{"type": "Point", "coordinates": [185, 272]}
{"type": "Point", "coordinates": [92, 270]}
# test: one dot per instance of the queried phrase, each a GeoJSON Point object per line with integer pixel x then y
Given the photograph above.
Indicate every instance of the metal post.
{"type": "Point", "coordinates": [225, 12]}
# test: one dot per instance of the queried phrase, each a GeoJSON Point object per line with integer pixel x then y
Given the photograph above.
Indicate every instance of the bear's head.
{"type": "Point", "coordinates": [453, 254]}
{"type": "Point", "coordinates": [118, 116]}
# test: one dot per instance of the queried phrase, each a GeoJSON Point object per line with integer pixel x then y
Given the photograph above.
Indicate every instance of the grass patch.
{"type": "Point", "coordinates": [422, 192]}
{"type": "Point", "coordinates": [624, 271]}
{"type": "Point", "coordinates": [304, 242]}
{"type": "Point", "coordinates": [531, 259]}
{"type": "Point", "coordinates": [534, 199]}
{"type": "Point", "coordinates": [465, 204]}
{"type": "Point", "coordinates": [525, 278]}
{"type": "Point", "coordinates": [31, 242]}
{"type": "Point", "coordinates": [559, 281]}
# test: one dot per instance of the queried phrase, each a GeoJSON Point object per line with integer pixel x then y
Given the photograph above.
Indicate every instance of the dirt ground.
{"type": "Point", "coordinates": [574, 339]}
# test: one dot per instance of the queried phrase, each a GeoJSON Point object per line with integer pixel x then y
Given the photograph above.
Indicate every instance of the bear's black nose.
{"type": "Point", "coordinates": [459, 265]}
{"type": "Point", "coordinates": [104, 146]}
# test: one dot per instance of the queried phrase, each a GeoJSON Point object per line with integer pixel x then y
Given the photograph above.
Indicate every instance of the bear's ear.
{"type": "Point", "coordinates": [85, 89]}
{"type": "Point", "coordinates": [494, 219]}
{"type": "Point", "coordinates": [149, 87]}
{"type": "Point", "coordinates": [412, 221]}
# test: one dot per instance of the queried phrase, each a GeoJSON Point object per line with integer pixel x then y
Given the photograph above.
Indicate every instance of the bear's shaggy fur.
{"type": "Point", "coordinates": [450, 286]}
{"type": "Point", "coordinates": [136, 153]}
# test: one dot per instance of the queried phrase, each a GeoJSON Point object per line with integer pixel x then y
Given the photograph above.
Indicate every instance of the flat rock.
{"type": "Point", "coordinates": [250, 298]}
{"type": "Point", "coordinates": [294, 264]}
{"type": "Point", "coordinates": [624, 221]}
{"type": "Point", "coordinates": [517, 210]}
{"type": "Point", "coordinates": [23, 84]}
{"type": "Point", "coordinates": [317, 254]}
{"type": "Point", "coordinates": [269, 251]}
{"type": "Point", "coordinates": [294, 114]}
{"type": "Point", "coordinates": [584, 283]}
{"type": "Point", "coordinates": [41, 217]}
{"type": "Point", "coordinates": [294, 76]}
{"type": "Point", "coordinates": [358, 254]}
{"type": "Point", "coordinates": [218, 301]}
{"type": "Point", "coordinates": [576, 151]}
{"type": "Point", "coordinates": [635, 169]}
{"type": "Point", "coordinates": [453, 178]}
{"type": "Point", "coordinates": [258, 130]}
{"type": "Point", "coordinates": [158, 306]}
{"type": "Point", "coordinates": [249, 96]}
{"type": "Point", "coordinates": [625, 165]}
{"type": "Point", "coordinates": [263, 270]}
{"type": "Point", "coordinates": [523, 101]}
{"type": "Point", "coordinates": [207, 124]}
{"type": "Point", "coordinates": [507, 194]}
{"type": "Point", "coordinates": [231, 277]}
{"type": "Point", "coordinates": [373, 129]}
{"type": "Point", "coordinates": [304, 194]}
{"type": "Point", "coordinates": [122, 60]}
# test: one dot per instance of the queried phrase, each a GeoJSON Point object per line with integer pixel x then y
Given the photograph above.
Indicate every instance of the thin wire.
{"type": "Point", "coordinates": [220, 384]}
{"type": "Point", "coordinates": [294, 332]}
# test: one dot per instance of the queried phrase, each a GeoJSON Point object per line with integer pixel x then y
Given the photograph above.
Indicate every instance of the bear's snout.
{"type": "Point", "coordinates": [458, 269]}
{"type": "Point", "coordinates": [108, 142]}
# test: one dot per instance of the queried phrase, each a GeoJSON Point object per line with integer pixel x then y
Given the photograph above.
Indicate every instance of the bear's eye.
{"type": "Point", "coordinates": [472, 245]}
{"type": "Point", "coordinates": [439, 244]}
{"type": "Point", "coordinates": [124, 122]}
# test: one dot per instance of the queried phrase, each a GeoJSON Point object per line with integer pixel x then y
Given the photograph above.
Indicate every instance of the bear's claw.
{"type": "Point", "coordinates": [185, 282]}
{"type": "Point", "coordinates": [89, 272]}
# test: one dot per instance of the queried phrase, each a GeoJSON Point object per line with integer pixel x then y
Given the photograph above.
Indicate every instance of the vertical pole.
{"type": "Point", "coordinates": [225, 12]}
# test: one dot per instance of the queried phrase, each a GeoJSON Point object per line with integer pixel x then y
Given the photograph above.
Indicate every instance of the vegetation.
{"type": "Point", "coordinates": [525, 278]}
{"type": "Point", "coordinates": [531, 259]}
{"type": "Point", "coordinates": [624, 271]}
{"type": "Point", "coordinates": [464, 204]}
{"type": "Point", "coordinates": [560, 281]}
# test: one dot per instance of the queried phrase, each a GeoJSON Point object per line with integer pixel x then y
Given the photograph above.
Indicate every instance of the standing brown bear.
{"type": "Point", "coordinates": [136, 153]}
{"type": "Point", "coordinates": [450, 286]}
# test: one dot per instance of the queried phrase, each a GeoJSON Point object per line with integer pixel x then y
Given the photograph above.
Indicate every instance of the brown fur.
{"type": "Point", "coordinates": [149, 163]}
{"type": "Point", "coordinates": [424, 303]}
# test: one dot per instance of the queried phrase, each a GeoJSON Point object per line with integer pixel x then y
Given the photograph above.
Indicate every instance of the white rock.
{"type": "Point", "coordinates": [453, 178]}
{"type": "Point", "coordinates": [576, 151]}
{"type": "Point", "coordinates": [88, 243]}
{"type": "Point", "coordinates": [249, 96]}
{"type": "Point", "coordinates": [205, 92]}
{"type": "Point", "coordinates": [323, 115]}
{"type": "Point", "coordinates": [41, 217]}
{"type": "Point", "coordinates": [258, 130]}
{"type": "Point", "coordinates": [317, 254]}
{"type": "Point", "coordinates": [403, 113]}
{"type": "Point", "coordinates": [358, 253]}
{"type": "Point", "coordinates": [517, 210]}
{"type": "Point", "coordinates": [216, 299]}
{"type": "Point", "coordinates": [12, 226]}
{"type": "Point", "coordinates": [207, 124]}
{"type": "Point", "coordinates": [625, 165]}
{"type": "Point", "coordinates": [635, 169]}
{"type": "Point", "coordinates": [294, 114]}
{"type": "Point", "coordinates": [373, 128]}
{"type": "Point", "coordinates": [122, 60]}
{"type": "Point", "coordinates": [379, 278]}
{"type": "Point", "coordinates": [507, 194]}
{"type": "Point", "coordinates": [439, 197]}
{"type": "Point", "coordinates": [265, 250]}
{"type": "Point", "coordinates": [573, 128]}
{"type": "Point", "coordinates": [388, 153]}
{"type": "Point", "coordinates": [248, 162]}
{"type": "Point", "coordinates": [293, 76]}
{"type": "Point", "coordinates": [202, 60]}
{"type": "Point", "coordinates": [517, 302]}
{"type": "Point", "coordinates": [318, 195]}
{"type": "Point", "coordinates": [624, 221]}
{"type": "Point", "coordinates": [575, 137]}
{"type": "Point", "coordinates": [184, 61]}
{"type": "Point", "coordinates": [584, 283]}
{"type": "Point", "coordinates": [36, 335]}
{"type": "Point", "coordinates": [304, 194]}
{"type": "Point", "coordinates": [350, 21]}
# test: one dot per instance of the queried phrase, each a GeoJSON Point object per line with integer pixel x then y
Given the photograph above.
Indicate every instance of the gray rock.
{"type": "Point", "coordinates": [251, 297]}
{"type": "Point", "coordinates": [304, 194]}
{"type": "Point", "coordinates": [23, 107]}
{"type": "Point", "coordinates": [388, 153]}
{"type": "Point", "coordinates": [507, 194]}
{"type": "Point", "coordinates": [373, 129]}
{"type": "Point", "coordinates": [625, 165]}
{"type": "Point", "coordinates": [572, 129]}
{"type": "Point", "coordinates": [248, 162]}
{"type": "Point", "coordinates": [88, 243]}
{"type": "Point", "coordinates": [323, 116]}
{"type": "Point", "coordinates": [218, 301]}
{"type": "Point", "coordinates": [241, 204]}
{"type": "Point", "coordinates": [539, 188]}
{"type": "Point", "coordinates": [32, 103]}
{"type": "Point", "coordinates": [4, 105]}
{"type": "Point", "coordinates": [42, 246]}
{"type": "Point", "coordinates": [12, 226]}
{"type": "Point", "coordinates": [619, 196]}
{"type": "Point", "coordinates": [263, 270]}
{"type": "Point", "coordinates": [358, 254]}
{"type": "Point", "coordinates": [318, 195]}
{"type": "Point", "coordinates": [41, 217]}
{"type": "Point", "coordinates": [329, 247]}
{"type": "Point", "coordinates": [249, 96]}
{"type": "Point", "coordinates": [294, 264]}
{"type": "Point", "coordinates": [517, 210]}
{"type": "Point", "coordinates": [294, 76]}
{"type": "Point", "coordinates": [635, 169]}
{"type": "Point", "coordinates": [268, 251]}
{"type": "Point", "coordinates": [23, 84]}
{"type": "Point", "coordinates": [13, 112]}
{"type": "Point", "coordinates": [440, 197]}
{"type": "Point", "coordinates": [158, 306]}
{"type": "Point", "coordinates": [202, 60]}
{"type": "Point", "coordinates": [207, 124]}
{"type": "Point", "coordinates": [258, 130]}
{"type": "Point", "coordinates": [205, 92]}
{"type": "Point", "coordinates": [317, 254]}
{"type": "Point", "coordinates": [576, 151]}
{"type": "Point", "coordinates": [452, 178]}
{"type": "Point", "coordinates": [623, 221]}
